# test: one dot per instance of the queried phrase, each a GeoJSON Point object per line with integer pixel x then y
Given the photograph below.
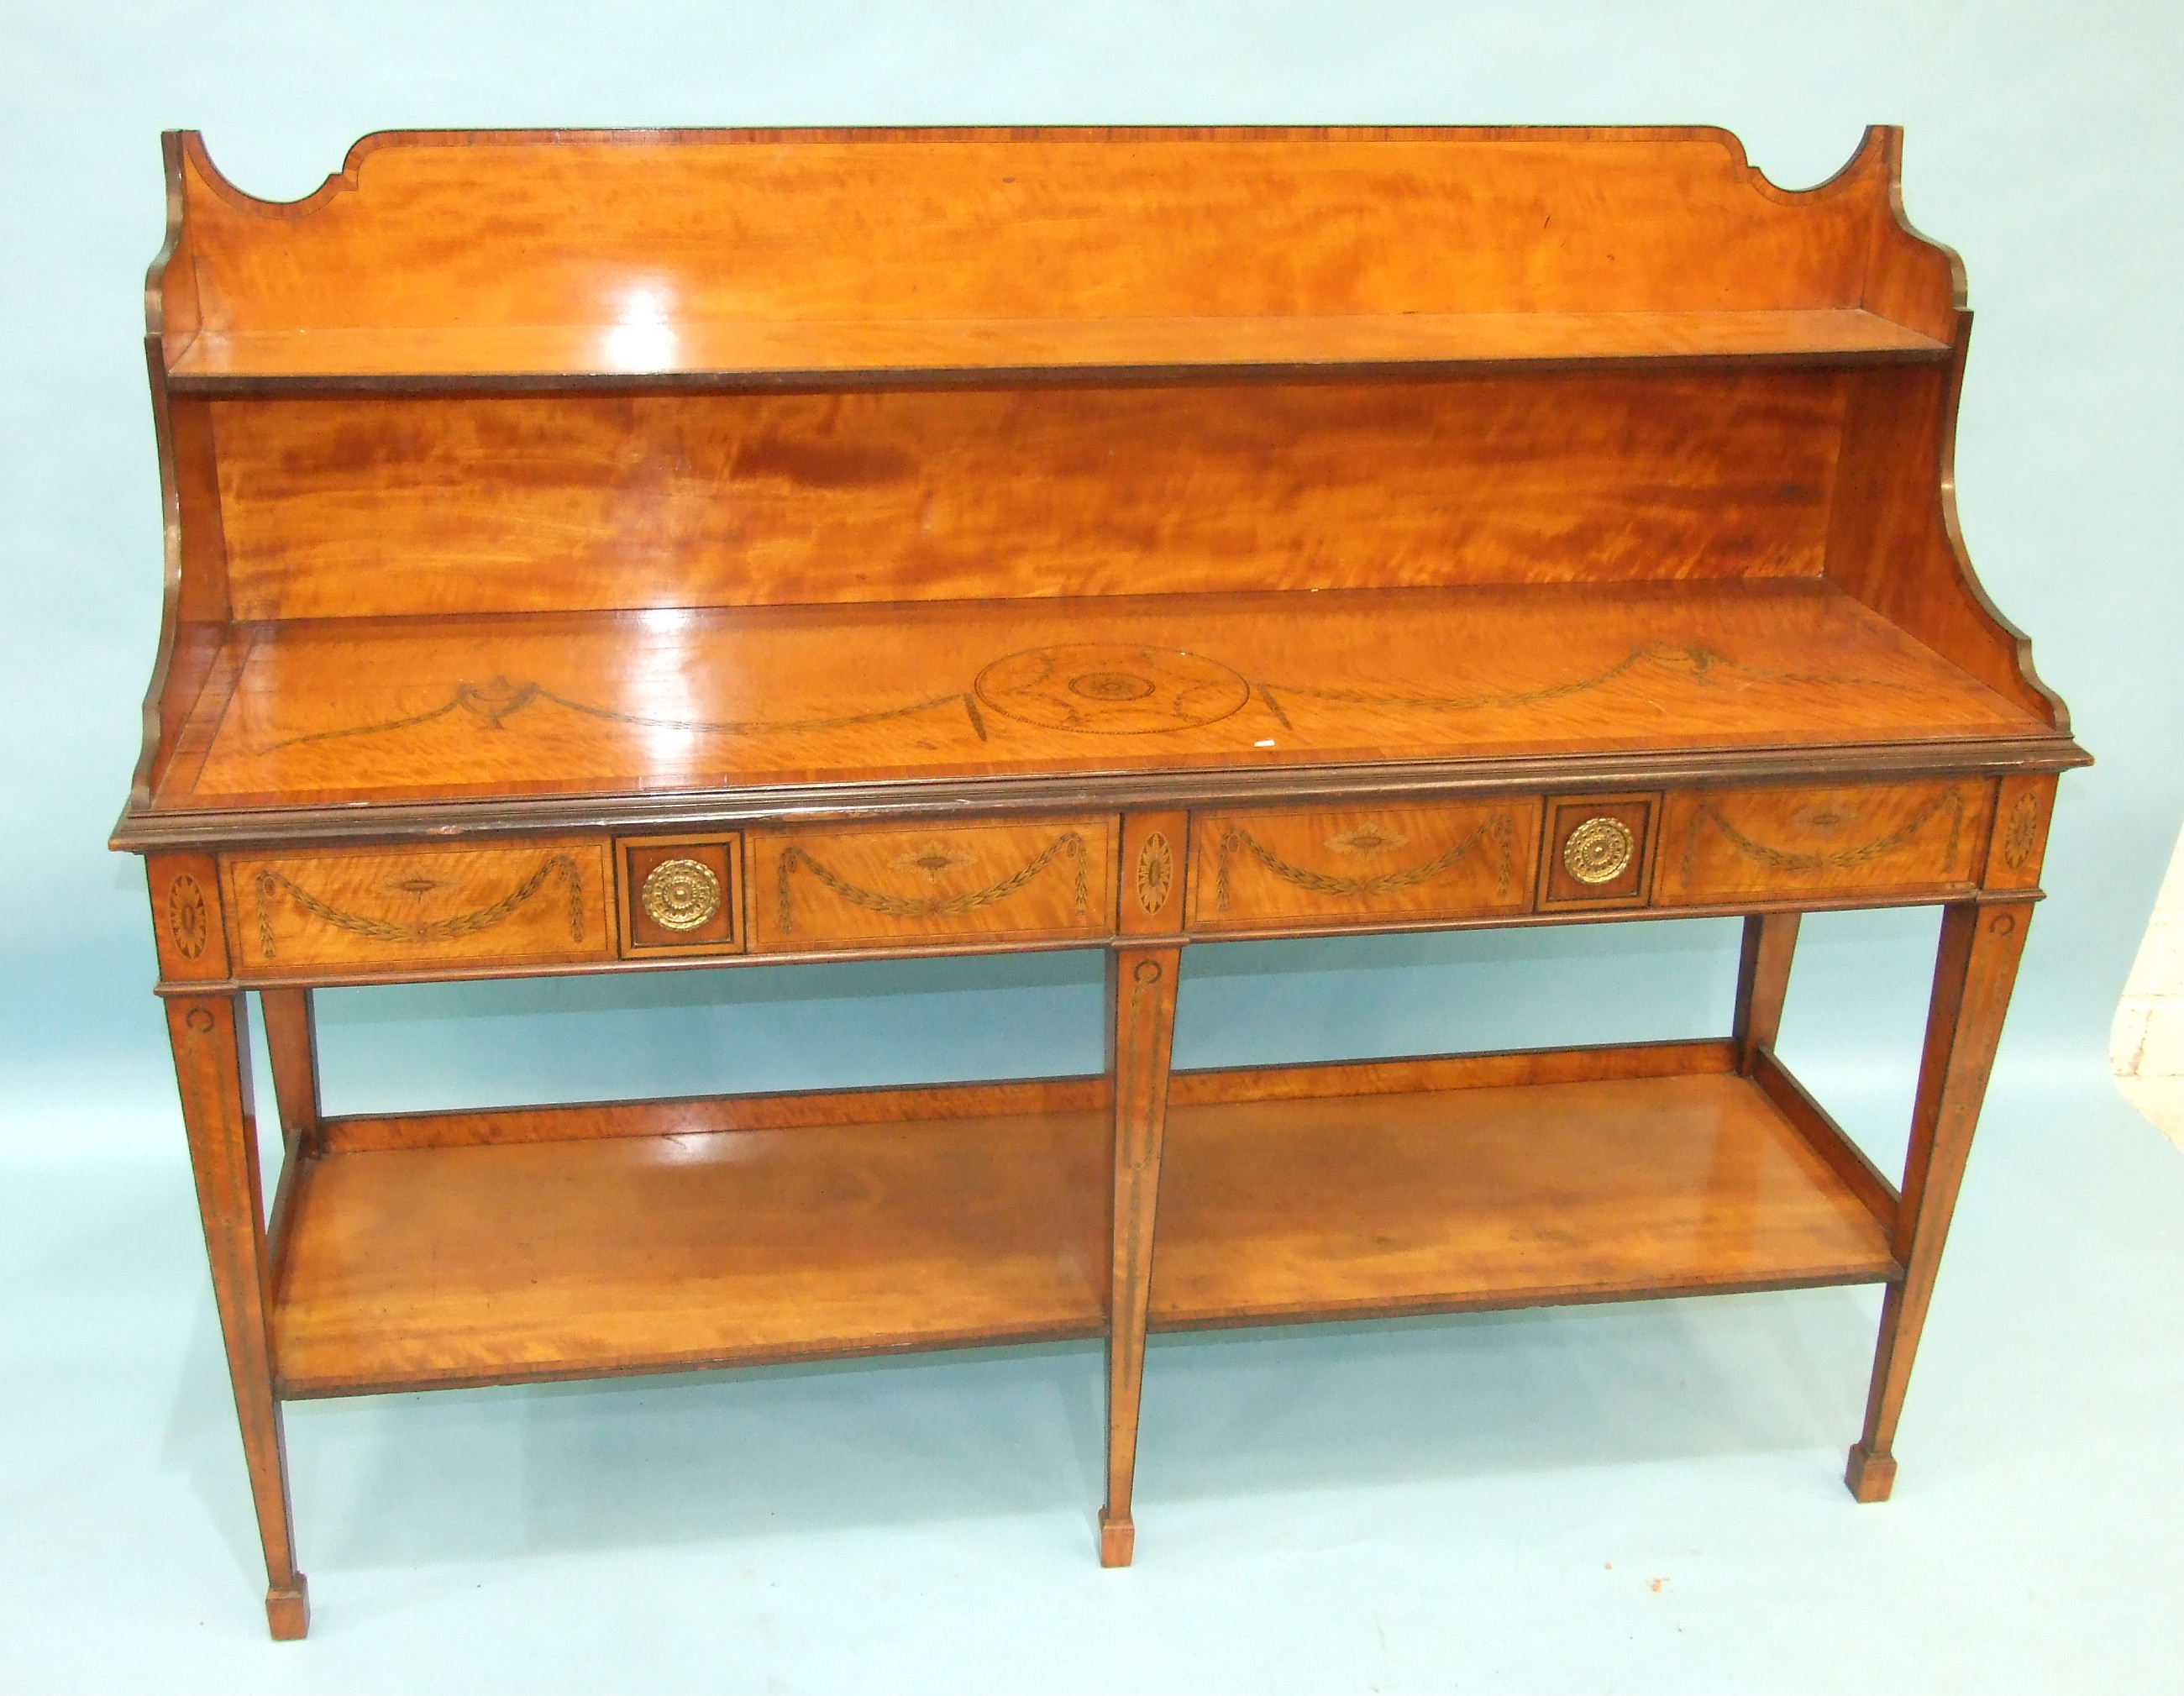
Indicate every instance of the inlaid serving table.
{"type": "Point", "coordinates": [635, 551]}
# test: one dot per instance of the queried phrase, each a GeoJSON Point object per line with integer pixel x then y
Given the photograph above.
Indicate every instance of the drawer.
{"type": "Point", "coordinates": [1321, 866]}
{"type": "Point", "coordinates": [892, 887]}
{"type": "Point", "coordinates": [1911, 839]}
{"type": "Point", "coordinates": [681, 895]}
{"type": "Point", "coordinates": [362, 909]}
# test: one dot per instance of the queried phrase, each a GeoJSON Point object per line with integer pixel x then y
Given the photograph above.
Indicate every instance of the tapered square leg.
{"type": "Point", "coordinates": [1973, 976]}
{"type": "Point", "coordinates": [1141, 1027]}
{"type": "Point", "coordinates": [292, 1042]}
{"type": "Point", "coordinates": [1763, 984]}
{"type": "Point", "coordinates": [211, 1065]}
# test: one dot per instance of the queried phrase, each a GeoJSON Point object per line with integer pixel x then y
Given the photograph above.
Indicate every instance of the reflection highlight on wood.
{"type": "Point", "coordinates": [376, 709]}
{"type": "Point", "coordinates": [1493, 1197]}
{"type": "Point", "coordinates": [658, 1234]}
{"type": "Point", "coordinates": [629, 229]}
{"type": "Point", "coordinates": [649, 1253]}
{"type": "Point", "coordinates": [357, 506]}
{"type": "Point", "coordinates": [757, 354]}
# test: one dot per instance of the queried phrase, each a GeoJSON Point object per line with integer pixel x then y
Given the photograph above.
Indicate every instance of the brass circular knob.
{"type": "Point", "coordinates": [1599, 850]}
{"type": "Point", "coordinates": [680, 895]}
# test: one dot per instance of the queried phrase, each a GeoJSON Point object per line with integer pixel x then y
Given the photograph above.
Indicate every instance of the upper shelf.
{"type": "Point", "coordinates": [780, 258]}
{"type": "Point", "coordinates": [760, 354]}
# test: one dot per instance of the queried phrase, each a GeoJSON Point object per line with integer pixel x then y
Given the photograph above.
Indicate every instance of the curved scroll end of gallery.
{"type": "Point", "coordinates": [288, 1610]}
{"type": "Point", "coordinates": [1870, 1476]}
{"type": "Point", "coordinates": [1118, 1540]}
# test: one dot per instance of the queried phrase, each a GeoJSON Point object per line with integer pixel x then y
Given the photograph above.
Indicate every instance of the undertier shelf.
{"type": "Point", "coordinates": [1328, 1206]}
{"type": "Point", "coordinates": [740, 1230]}
{"type": "Point", "coordinates": [492, 1263]}
{"type": "Point", "coordinates": [762, 354]}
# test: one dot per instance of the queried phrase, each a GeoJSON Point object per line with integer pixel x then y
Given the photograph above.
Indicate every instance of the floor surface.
{"type": "Point", "coordinates": [1630, 1498]}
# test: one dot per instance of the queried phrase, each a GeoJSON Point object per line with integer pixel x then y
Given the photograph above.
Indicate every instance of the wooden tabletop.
{"type": "Point", "coordinates": [322, 712]}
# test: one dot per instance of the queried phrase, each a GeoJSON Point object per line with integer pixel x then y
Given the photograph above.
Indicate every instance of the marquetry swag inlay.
{"type": "Point", "coordinates": [932, 863]}
{"type": "Point", "coordinates": [1496, 832]}
{"type": "Point", "coordinates": [1949, 803]}
{"type": "Point", "coordinates": [273, 885]}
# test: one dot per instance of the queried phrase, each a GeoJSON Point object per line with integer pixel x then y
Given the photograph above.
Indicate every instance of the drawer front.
{"type": "Point", "coordinates": [1260, 871]}
{"type": "Point", "coordinates": [1915, 838]}
{"type": "Point", "coordinates": [823, 890]}
{"type": "Point", "coordinates": [401, 909]}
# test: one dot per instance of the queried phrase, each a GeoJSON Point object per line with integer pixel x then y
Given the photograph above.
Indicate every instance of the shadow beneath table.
{"type": "Point", "coordinates": [482, 1476]}
{"type": "Point", "coordinates": [1379, 1402]}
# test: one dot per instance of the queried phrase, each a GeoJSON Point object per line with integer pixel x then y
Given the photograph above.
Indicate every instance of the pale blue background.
{"type": "Point", "coordinates": [1450, 1504]}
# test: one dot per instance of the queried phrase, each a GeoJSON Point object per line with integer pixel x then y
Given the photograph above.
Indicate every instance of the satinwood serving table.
{"type": "Point", "coordinates": [654, 550]}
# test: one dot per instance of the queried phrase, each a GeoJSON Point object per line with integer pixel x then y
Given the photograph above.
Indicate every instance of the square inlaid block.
{"type": "Point", "coordinates": [1597, 851]}
{"type": "Point", "coordinates": [680, 894]}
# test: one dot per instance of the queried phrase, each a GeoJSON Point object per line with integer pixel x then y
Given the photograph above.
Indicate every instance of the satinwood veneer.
{"type": "Point", "coordinates": [596, 552]}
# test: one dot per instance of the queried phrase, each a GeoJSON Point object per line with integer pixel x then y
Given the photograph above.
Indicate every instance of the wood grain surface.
{"type": "Point", "coordinates": [1919, 838]}
{"type": "Point", "coordinates": [819, 888]}
{"type": "Point", "coordinates": [381, 505]}
{"type": "Point", "coordinates": [1013, 538]}
{"type": "Point", "coordinates": [535, 903]}
{"type": "Point", "coordinates": [353, 710]}
{"type": "Point", "coordinates": [761, 354]}
{"type": "Point", "coordinates": [2018, 847]}
{"type": "Point", "coordinates": [1256, 869]}
{"type": "Point", "coordinates": [491, 1263]}
{"type": "Point", "coordinates": [1621, 878]}
{"type": "Point", "coordinates": [1975, 969]}
{"type": "Point", "coordinates": [1141, 986]}
{"type": "Point", "coordinates": [209, 1035]}
{"type": "Point", "coordinates": [670, 1233]}
{"type": "Point", "coordinates": [664, 229]}
{"type": "Point", "coordinates": [690, 929]}
{"type": "Point", "coordinates": [696, 1115]}
{"type": "Point", "coordinates": [1495, 1196]}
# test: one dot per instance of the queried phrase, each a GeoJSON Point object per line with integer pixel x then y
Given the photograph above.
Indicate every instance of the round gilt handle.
{"type": "Point", "coordinates": [680, 895]}
{"type": "Point", "coordinates": [1599, 850]}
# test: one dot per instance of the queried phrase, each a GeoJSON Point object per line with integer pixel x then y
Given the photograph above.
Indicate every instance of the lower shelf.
{"type": "Point", "coordinates": [499, 1262]}
{"type": "Point", "coordinates": [468, 1248]}
{"type": "Point", "coordinates": [1422, 1201]}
